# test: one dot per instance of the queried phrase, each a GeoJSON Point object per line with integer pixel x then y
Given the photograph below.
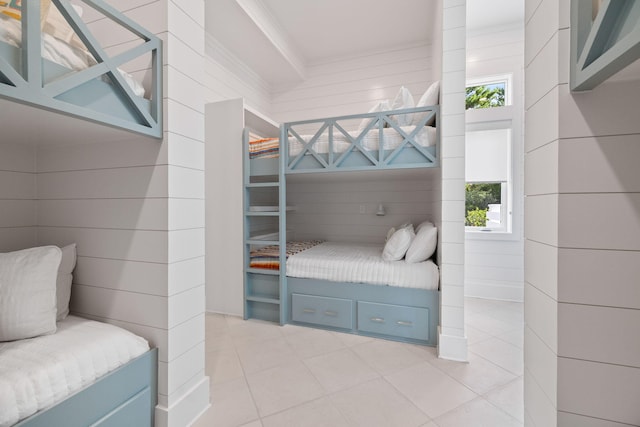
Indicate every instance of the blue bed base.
{"type": "Point", "coordinates": [125, 397]}
{"type": "Point", "coordinates": [358, 300]}
{"type": "Point", "coordinates": [26, 78]}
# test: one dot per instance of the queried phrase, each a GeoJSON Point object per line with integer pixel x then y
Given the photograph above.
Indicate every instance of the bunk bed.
{"type": "Point", "coordinates": [47, 97]}
{"type": "Point", "coordinates": [77, 79]}
{"type": "Point", "coordinates": [384, 140]}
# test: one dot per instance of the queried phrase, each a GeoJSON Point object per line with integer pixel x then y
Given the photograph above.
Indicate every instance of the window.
{"type": "Point", "coordinates": [488, 92]}
{"type": "Point", "coordinates": [488, 178]}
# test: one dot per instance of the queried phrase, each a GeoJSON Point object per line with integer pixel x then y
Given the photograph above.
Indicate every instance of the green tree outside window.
{"type": "Point", "coordinates": [485, 96]}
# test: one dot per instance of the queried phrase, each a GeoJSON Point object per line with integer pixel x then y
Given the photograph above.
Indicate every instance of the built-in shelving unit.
{"type": "Point", "coordinates": [264, 212]}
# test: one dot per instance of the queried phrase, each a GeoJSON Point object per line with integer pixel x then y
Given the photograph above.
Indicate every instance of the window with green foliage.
{"type": "Point", "coordinates": [486, 96]}
{"type": "Point", "coordinates": [477, 200]}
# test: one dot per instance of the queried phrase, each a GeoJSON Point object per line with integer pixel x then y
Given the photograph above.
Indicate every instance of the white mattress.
{"type": "Point", "coordinates": [371, 141]}
{"type": "Point", "coordinates": [361, 263]}
{"type": "Point", "coordinates": [39, 372]}
{"type": "Point", "coordinates": [57, 51]}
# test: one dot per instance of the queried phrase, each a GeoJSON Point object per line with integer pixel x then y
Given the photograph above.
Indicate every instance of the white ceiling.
{"type": "Point", "coordinates": [324, 29]}
{"type": "Point", "coordinates": [482, 14]}
{"type": "Point", "coordinates": [278, 39]}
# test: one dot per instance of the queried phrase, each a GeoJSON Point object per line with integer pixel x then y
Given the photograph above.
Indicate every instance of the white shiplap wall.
{"type": "Point", "coordinates": [494, 268]}
{"type": "Point", "coordinates": [354, 85]}
{"type": "Point", "coordinates": [136, 210]}
{"type": "Point", "coordinates": [227, 77]}
{"type": "Point", "coordinates": [329, 208]}
{"type": "Point", "coordinates": [582, 249]}
{"type": "Point", "coordinates": [18, 208]}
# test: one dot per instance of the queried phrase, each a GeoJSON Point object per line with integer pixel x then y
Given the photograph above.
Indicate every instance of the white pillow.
{"type": "Point", "coordinates": [397, 245]}
{"type": "Point", "coordinates": [390, 233]}
{"type": "Point", "coordinates": [28, 292]}
{"type": "Point", "coordinates": [63, 283]}
{"type": "Point", "coordinates": [380, 106]}
{"type": "Point", "coordinates": [424, 244]}
{"type": "Point", "coordinates": [422, 224]}
{"type": "Point", "coordinates": [430, 97]}
{"type": "Point", "coordinates": [403, 100]}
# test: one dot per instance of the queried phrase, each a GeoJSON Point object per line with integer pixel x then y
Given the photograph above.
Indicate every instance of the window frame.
{"type": "Point", "coordinates": [491, 80]}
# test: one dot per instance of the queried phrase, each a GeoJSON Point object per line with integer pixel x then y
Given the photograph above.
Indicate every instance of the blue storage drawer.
{"type": "Point", "coordinates": [325, 311]}
{"type": "Point", "coordinates": [395, 320]}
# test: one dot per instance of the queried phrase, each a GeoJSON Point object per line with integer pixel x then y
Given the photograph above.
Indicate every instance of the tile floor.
{"type": "Point", "coordinates": [266, 375]}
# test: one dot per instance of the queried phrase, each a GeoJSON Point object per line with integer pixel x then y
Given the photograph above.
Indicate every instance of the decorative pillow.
{"type": "Point", "coordinates": [430, 97]}
{"type": "Point", "coordinates": [63, 283]}
{"type": "Point", "coordinates": [422, 224]}
{"type": "Point", "coordinates": [28, 292]}
{"type": "Point", "coordinates": [403, 100]}
{"type": "Point", "coordinates": [380, 106]}
{"type": "Point", "coordinates": [424, 244]}
{"type": "Point", "coordinates": [397, 245]}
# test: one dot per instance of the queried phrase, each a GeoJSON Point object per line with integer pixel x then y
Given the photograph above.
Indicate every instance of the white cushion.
{"type": "Point", "coordinates": [63, 283]}
{"type": "Point", "coordinates": [403, 100]}
{"type": "Point", "coordinates": [380, 106]}
{"type": "Point", "coordinates": [424, 244]}
{"type": "Point", "coordinates": [430, 97]}
{"type": "Point", "coordinates": [28, 292]}
{"type": "Point", "coordinates": [390, 233]}
{"type": "Point", "coordinates": [423, 224]}
{"type": "Point", "coordinates": [397, 245]}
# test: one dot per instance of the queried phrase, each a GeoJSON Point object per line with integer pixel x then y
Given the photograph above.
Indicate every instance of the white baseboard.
{"type": "Point", "coordinates": [187, 409]}
{"type": "Point", "coordinates": [505, 291]}
{"type": "Point", "coordinates": [451, 347]}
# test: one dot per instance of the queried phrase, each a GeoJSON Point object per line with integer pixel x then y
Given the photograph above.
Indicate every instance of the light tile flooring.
{"type": "Point", "coordinates": [266, 375]}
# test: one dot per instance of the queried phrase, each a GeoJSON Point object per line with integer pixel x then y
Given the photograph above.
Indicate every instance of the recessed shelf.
{"type": "Point", "coordinates": [262, 184]}
{"type": "Point", "coordinates": [263, 271]}
{"type": "Point", "coordinates": [262, 242]}
{"type": "Point", "coordinates": [263, 298]}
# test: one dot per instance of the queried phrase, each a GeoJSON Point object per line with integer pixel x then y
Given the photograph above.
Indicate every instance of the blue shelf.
{"type": "Point", "coordinates": [263, 298]}
{"type": "Point", "coordinates": [262, 242]}
{"type": "Point", "coordinates": [262, 184]}
{"type": "Point", "coordinates": [263, 271]}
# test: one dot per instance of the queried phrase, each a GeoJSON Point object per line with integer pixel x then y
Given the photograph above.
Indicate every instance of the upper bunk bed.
{"type": "Point", "coordinates": [381, 139]}
{"type": "Point", "coordinates": [54, 70]}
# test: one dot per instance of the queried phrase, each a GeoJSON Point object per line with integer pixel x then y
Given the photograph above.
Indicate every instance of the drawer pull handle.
{"type": "Point", "coordinates": [331, 313]}
{"type": "Point", "coordinates": [403, 323]}
{"type": "Point", "coordinates": [377, 319]}
{"type": "Point", "coordinates": [309, 310]}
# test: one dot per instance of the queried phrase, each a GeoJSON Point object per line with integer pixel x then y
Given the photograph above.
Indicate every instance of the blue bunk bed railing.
{"type": "Point", "coordinates": [26, 78]}
{"type": "Point", "coordinates": [381, 144]}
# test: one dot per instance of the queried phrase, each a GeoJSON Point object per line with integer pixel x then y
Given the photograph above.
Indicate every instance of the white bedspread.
{"type": "Point", "coordinates": [57, 51]}
{"type": "Point", "coordinates": [39, 372]}
{"type": "Point", "coordinates": [371, 141]}
{"type": "Point", "coordinates": [361, 263]}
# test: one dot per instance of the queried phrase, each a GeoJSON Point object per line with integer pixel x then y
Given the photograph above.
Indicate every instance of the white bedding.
{"type": "Point", "coordinates": [57, 51]}
{"type": "Point", "coordinates": [371, 141]}
{"type": "Point", "coordinates": [361, 263]}
{"type": "Point", "coordinates": [39, 372]}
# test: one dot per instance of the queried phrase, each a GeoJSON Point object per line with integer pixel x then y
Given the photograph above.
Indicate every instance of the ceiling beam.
{"type": "Point", "coordinates": [264, 20]}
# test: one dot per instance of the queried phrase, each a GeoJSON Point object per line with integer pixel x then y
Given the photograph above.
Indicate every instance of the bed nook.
{"type": "Point", "coordinates": [384, 289]}
{"type": "Point", "coordinates": [58, 85]}
{"type": "Point", "coordinates": [51, 60]}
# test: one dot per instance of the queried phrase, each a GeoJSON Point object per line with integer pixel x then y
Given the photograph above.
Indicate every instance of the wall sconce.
{"type": "Point", "coordinates": [381, 211]}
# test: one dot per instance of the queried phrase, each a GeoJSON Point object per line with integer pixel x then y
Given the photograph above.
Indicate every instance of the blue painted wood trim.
{"type": "Point", "coordinates": [26, 84]}
{"type": "Point", "coordinates": [131, 389]}
{"type": "Point", "coordinates": [409, 297]}
{"type": "Point", "coordinates": [409, 154]}
{"type": "Point", "coordinates": [602, 46]}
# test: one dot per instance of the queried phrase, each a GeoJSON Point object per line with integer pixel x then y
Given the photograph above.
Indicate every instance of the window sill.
{"type": "Point", "coordinates": [478, 234]}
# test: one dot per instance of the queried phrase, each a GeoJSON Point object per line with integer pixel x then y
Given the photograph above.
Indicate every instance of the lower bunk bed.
{"type": "Point", "coordinates": [351, 288]}
{"type": "Point", "coordinates": [88, 373]}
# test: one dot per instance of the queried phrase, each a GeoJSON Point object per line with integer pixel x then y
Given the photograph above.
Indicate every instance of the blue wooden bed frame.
{"type": "Point", "coordinates": [125, 397]}
{"type": "Point", "coordinates": [402, 314]}
{"type": "Point", "coordinates": [27, 78]}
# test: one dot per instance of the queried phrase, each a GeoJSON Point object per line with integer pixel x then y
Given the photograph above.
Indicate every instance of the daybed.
{"type": "Point", "coordinates": [60, 370]}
